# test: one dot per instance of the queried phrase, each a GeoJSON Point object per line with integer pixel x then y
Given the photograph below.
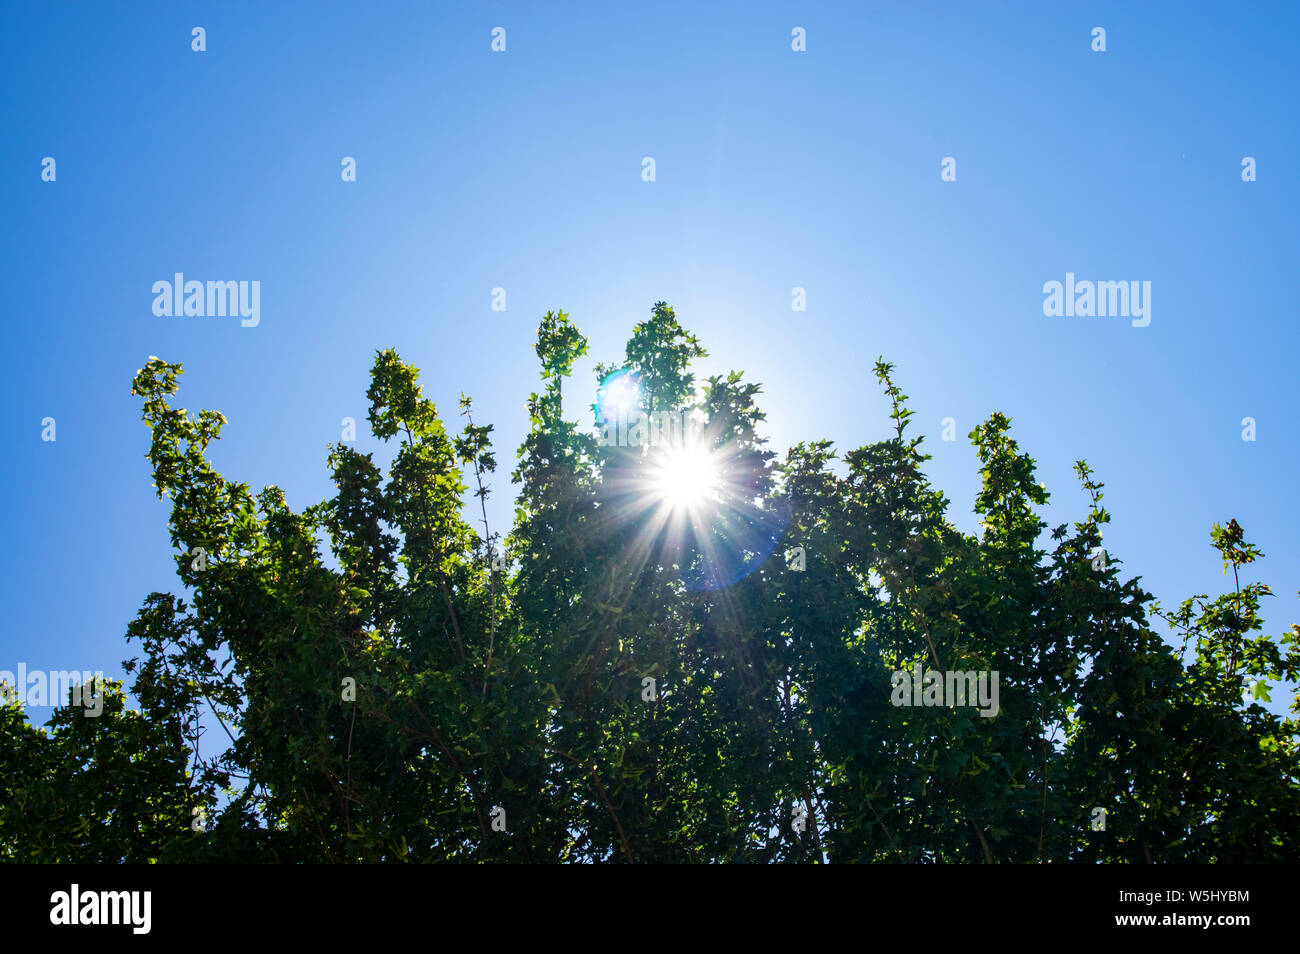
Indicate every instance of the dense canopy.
{"type": "Point", "coordinates": [682, 650]}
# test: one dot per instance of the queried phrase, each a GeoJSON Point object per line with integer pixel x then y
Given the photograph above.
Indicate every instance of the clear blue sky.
{"type": "Point", "coordinates": [522, 169]}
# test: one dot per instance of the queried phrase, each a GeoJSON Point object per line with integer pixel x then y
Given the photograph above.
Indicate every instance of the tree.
{"type": "Point", "coordinates": [685, 649]}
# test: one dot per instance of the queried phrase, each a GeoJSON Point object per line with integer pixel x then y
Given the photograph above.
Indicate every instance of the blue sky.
{"type": "Point", "coordinates": [522, 169]}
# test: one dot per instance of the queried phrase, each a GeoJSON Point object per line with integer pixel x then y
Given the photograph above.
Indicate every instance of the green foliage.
{"type": "Point", "coordinates": [495, 674]}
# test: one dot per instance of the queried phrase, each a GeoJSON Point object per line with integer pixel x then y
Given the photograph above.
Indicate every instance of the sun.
{"type": "Point", "coordinates": [685, 477]}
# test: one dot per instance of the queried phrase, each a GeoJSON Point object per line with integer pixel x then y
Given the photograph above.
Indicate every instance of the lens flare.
{"type": "Point", "coordinates": [618, 396]}
{"type": "Point", "coordinates": [695, 502]}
